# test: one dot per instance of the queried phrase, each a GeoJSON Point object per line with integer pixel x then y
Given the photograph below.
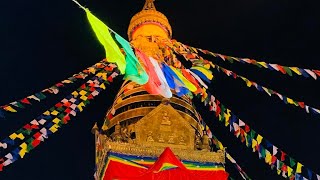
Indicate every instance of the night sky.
{"type": "Point", "coordinates": [44, 42]}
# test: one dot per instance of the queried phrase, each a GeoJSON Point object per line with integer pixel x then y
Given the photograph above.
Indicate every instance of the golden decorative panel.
{"type": "Point", "coordinates": [165, 127]}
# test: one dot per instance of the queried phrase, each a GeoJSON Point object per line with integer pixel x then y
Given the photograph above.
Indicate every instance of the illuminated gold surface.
{"type": "Point", "coordinates": [138, 125]}
{"type": "Point", "coordinates": [148, 15]}
{"type": "Point", "coordinates": [183, 154]}
{"type": "Point", "coordinates": [164, 127]}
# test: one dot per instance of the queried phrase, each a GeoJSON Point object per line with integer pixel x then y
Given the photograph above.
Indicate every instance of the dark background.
{"type": "Point", "coordinates": [43, 42]}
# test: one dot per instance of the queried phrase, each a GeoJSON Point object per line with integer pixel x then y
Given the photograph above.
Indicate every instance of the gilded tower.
{"type": "Point", "coordinates": [142, 124]}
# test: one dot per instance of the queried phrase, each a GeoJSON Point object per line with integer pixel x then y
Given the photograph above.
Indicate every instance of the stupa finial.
{"type": "Point", "coordinates": [149, 5]}
{"type": "Point", "coordinates": [149, 22]}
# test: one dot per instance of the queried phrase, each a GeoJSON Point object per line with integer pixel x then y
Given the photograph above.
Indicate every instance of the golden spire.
{"type": "Point", "coordinates": [149, 22]}
{"type": "Point", "coordinates": [148, 5]}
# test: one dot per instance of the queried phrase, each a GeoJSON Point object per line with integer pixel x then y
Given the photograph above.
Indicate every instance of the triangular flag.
{"type": "Point", "coordinates": [40, 95]}
{"type": "Point", "coordinates": [311, 73]}
{"type": "Point", "coordinates": [25, 101]}
{"type": "Point", "coordinates": [241, 123]}
{"type": "Point", "coordinates": [9, 108]}
{"type": "Point", "coordinates": [34, 97]}
{"type": "Point", "coordinates": [17, 104]}
{"type": "Point", "coordinates": [275, 150]}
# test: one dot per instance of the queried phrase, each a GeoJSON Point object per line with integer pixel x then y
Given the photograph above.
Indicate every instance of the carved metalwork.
{"type": "Point", "coordinates": [166, 125]}
{"type": "Point", "coordinates": [183, 154]}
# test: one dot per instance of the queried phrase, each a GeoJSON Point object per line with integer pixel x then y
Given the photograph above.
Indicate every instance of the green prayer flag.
{"type": "Point", "coordinates": [221, 117]}
{"type": "Point", "coordinates": [40, 95]}
{"type": "Point", "coordinates": [113, 53]}
{"type": "Point", "coordinates": [86, 102]}
{"type": "Point", "coordinates": [134, 71]}
{"type": "Point", "coordinates": [18, 104]}
{"type": "Point", "coordinates": [253, 133]}
{"type": "Point", "coordinates": [292, 162]}
{"type": "Point", "coordinates": [29, 147]}
{"type": "Point", "coordinates": [288, 70]}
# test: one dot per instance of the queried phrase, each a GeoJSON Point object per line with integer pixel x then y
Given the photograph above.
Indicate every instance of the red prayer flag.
{"type": "Point", "coordinates": [25, 101]}
{"type": "Point", "coordinates": [27, 127]}
{"type": "Point", "coordinates": [281, 69]}
{"type": "Point", "coordinates": [36, 142]}
{"type": "Point", "coordinates": [83, 86]}
{"type": "Point", "coordinates": [58, 105]}
{"type": "Point", "coordinates": [90, 97]}
{"type": "Point", "coordinates": [283, 154]}
{"type": "Point", "coordinates": [247, 128]}
{"type": "Point", "coordinates": [317, 72]}
{"type": "Point", "coordinates": [301, 104]}
{"type": "Point", "coordinates": [59, 85]}
{"type": "Point", "coordinates": [37, 135]}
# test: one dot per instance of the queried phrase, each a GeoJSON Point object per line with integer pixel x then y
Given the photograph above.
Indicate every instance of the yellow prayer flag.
{"type": "Point", "coordinates": [84, 98]}
{"type": "Point", "coordinates": [75, 93]}
{"type": "Point", "coordinates": [92, 70]}
{"type": "Point", "coordinates": [289, 170]}
{"type": "Point", "coordinates": [253, 145]}
{"type": "Point", "coordinates": [47, 113]}
{"type": "Point", "coordinates": [227, 117]}
{"type": "Point", "coordinates": [13, 136]}
{"type": "Point", "coordinates": [83, 92]}
{"type": "Point", "coordinates": [259, 138]}
{"type": "Point", "coordinates": [278, 171]}
{"type": "Point", "coordinates": [206, 72]}
{"type": "Point", "coordinates": [56, 120]}
{"type": "Point", "coordinates": [80, 108]}
{"type": "Point", "coordinates": [9, 108]}
{"type": "Point", "coordinates": [268, 157]}
{"type": "Point", "coordinates": [55, 112]}
{"type": "Point", "coordinates": [24, 145]}
{"type": "Point", "coordinates": [290, 101]}
{"type": "Point", "coordinates": [102, 86]}
{"type": "Point", "coordinates": [185, 81]}
{"type": "Point", "coordinates": [264, 64]}
{"type": "Point", "coordinates": [296, 70]}
{"type": "Point", "coordinates": [299, 166]}
{"type": "Point", "coordinates": [53, 129]}
{"type": "Point", "coordinates": [102, 75]}
{"type": "Point", "coordinates": [22, 152]}
{"type": "Point", "coordinates": [249, 83]}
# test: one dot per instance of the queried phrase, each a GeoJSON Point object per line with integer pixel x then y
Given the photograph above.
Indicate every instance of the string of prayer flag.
{"type": "Point", "coordinates": [50, 121]}
{"type": "Point", "coordinates": [315, 74]}
{"type": "Point", "coordinates": [285, 165]}
{"type": "Point", "coordinates": [285, 99]}
{"type": "Point", "coordinates": [37, 97]}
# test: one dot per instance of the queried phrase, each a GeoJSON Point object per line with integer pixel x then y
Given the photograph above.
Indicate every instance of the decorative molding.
{"type": "Point", "coordinates": [190, 155]}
